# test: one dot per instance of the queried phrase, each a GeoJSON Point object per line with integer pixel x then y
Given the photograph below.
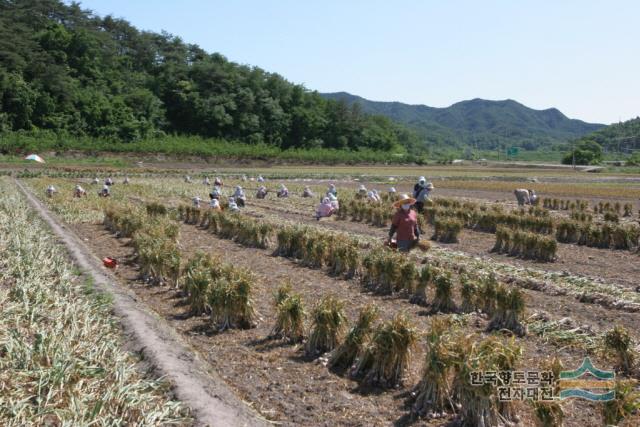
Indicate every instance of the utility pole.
{"type": "Point", "coordinates": [573, 153]}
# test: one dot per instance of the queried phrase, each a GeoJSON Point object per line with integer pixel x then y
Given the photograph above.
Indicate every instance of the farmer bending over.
{"type": "Point", "coordinates": [362, 192]}
{"type": "Point", "coordinates": [218, 182]}
{"type": "Point", "coordinates": [215, 205]}
{"type": "Point", "coordinates": [239, 196]}
{"type": "Point", "coordinates": [105, 191]}
{"type": "Point", "coordinates": [332, 190]}
{"type": "Point", "coordinates": [283, 191]}
{"type": "Point", "coordinates": [51, 190]}
{"type": "Point", "coordinates": [79, 191]}
{"type": "Point", "coordinates": [206, 181]}
{"type": "Point", "coordinates": [196, 201]}
{"type": "Point", "coordinates": [262, 192]}
{"type": "Point", "coordinates": [324, 209]}
{"type": "Point", "coordinates": [405, 224]}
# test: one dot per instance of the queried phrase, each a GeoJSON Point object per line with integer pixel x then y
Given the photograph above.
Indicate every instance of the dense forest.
{"type": "Point", "coordinates": [623, 137]}
{"type": "Point", "coordinates": [66, 71]}
{"type": "Point", "coordinates": [479, 123]}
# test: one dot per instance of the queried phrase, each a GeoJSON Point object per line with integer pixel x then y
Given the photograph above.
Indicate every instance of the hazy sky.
{"type": "Point", "coordinates": [581, 56]}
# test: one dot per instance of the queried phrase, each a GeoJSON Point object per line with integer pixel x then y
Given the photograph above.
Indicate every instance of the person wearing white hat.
{"type": "Point", "coordinates": [307, 192]}
{"type": "Point", "coordinates": [421, 192]}
{"type": "Point", "coordinates": [105, 191]}
{"type": "Point", "coordinates": [206, 181]}
{"type": "Point", "coordinates": [108, 181]}
{"type": "Point", "coordinates": [283, 191]}
{"type": "Point", "coordinates": [233, 207]}
{"type": "Point", "coordinates": [215, 193]}
{"type": "Point", "coordinates": [239, 196]}
{"type": "Point", "coordinates": [79, 191]}
{"type": "Point", "coordinates": [187, 179]}
{"type": "Point", "coordinates": [196, 201]}
{"type": "Point", "coordinates": [215, 204]}
{"type": "Point", "coordinates": [95, 181]}
{"type": "Point", "coordinates": [260, 178]}
{"type": "Point", "coordinates": [262, 192]}
{"type": "Point", "coordinates": [362, 192]}
{"type": "Point", "coordinates": [324, 209]}
{"type": "Point", "coordinates": [332, 190]}
{"type": "Point", "coordinates": [51, 190]}
{"type": "Point", "coordinates": [371, 197]}
{"type": "Point", "coordinates": [376, 195]}
{"type": "Point", "coordinates": [405, 224]}
{"type": "Point", "coordinates": [218, 182]}
{"type": "Point", "coordinates": [334, 202]}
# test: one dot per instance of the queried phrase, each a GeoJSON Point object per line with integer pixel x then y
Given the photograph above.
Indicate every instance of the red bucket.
{"type": "Point", "coordinates": [110, 262]}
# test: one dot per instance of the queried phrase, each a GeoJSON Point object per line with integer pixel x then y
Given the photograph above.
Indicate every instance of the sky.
{"type": "Point", "coordinates": [580, 56]}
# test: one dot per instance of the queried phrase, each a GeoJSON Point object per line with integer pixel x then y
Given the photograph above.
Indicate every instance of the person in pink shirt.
{"type": "Point", "coordinates": [405, 224]}
{"type": "Point", "coordinates": [325, 209]}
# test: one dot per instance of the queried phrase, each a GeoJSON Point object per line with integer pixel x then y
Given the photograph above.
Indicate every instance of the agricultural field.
{"type": "Point", "coordinates": [312, 320]}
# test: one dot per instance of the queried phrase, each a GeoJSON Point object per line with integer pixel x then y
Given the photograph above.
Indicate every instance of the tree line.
{"type": "Point", "coordinates": [68, 71]}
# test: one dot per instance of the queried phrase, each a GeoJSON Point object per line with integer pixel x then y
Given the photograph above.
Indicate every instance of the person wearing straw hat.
{"type": "Point", "coordinates": [405, 224]}
{"type": "Point", "coordinates": [421, 192]}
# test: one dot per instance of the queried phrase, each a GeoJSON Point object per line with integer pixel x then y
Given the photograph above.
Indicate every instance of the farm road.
{"type": "Point", "coordinates": [210, 399]}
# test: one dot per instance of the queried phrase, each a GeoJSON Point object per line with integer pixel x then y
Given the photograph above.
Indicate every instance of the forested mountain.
{"type": "Point", "coordinates": [479, 123]}
{"type": "Point", "coordinates": [621, 137]}
{"type": "Point", "coordinates": [69, 71]}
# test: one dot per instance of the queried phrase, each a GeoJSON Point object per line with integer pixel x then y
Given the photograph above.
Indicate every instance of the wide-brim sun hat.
{"type": "Point", "coordinates": [430, 186]}
{"type": "Point", "coordinates": [404, 199]}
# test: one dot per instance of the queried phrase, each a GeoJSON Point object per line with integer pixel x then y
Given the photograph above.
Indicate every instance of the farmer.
{"type": "Point", "coordinates": [126, 179]}
{"type": "Point", "coordinates": [405, 224]}
{"type": "Point", "coordinates": [51, 190]}
{"type": "Point", "coordinates": [218, 182]}
{"type": "Point", "coordinates": [239, 196]}
{"type": "Point", "coordinates": [262, 192]}
{"type": "Point", "coordinates": [187, 179]}
{"type": "Point", "coordinates": [377, 195]}
{"type": "Point", "coordinates": [108, 181]}
{"type": "Point", "coordinates": [244, 178]}
{"type": "Point", "coordinates": [196, 201]}
{"type": "Point", "coordinates": [332, 190]}
{"type": "Point", "coordinates": [283, 191]}
{"type": "Point", "coordinates": [307, 192]}
{"type": "Point", "coordinates": [362, 192]}
{"type": "Point", "coordinates": [392, 193]}
{"type": "Point", "coordinates": [371, 197]}
{"type": "Point", "coordinates": [96, 181]}
{"type": "Point", "coordinates": [105, 191]}
{"type": "Point", "coordinates": [215, 205]}
{"type": "Point", "coordinates": [215, 193]}
{"type": "Point", "coordinates": [334, 202]}
{"type": "Point", "coordinates": [79, 191]}
{"type": "Point", "coordinates": [233, 207]}
{"type": "Point", "coordinates": [421, 192]}
{"type": "Point", "coordinates": [525, 197]}
{"type": "Point", "coordinates": [260, 178]}
{"type": "Point", "coordinates": [324, 209]}
{"type": "Point", "coordinates": [206, 181]}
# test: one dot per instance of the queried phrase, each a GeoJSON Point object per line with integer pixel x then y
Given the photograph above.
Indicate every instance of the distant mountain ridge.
{"type": "Point", "coordinates": [478, 122]}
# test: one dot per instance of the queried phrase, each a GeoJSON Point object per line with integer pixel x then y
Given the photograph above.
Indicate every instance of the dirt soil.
{"type": "Point", "coordinates": [211, 401]}
{"type": "Point", "coordinates": [277, 379]}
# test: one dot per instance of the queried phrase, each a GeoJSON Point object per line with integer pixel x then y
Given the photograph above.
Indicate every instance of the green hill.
{"type": "Point", "coordinates": [65, 71]}
{"type": "Point", "coordinates": [621, 137]}
{"type": "Point", "coordinates": [479, 123]}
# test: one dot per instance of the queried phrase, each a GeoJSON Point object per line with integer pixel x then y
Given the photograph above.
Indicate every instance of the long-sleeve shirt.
{"type": "Point", "coordinates": [405, 224]}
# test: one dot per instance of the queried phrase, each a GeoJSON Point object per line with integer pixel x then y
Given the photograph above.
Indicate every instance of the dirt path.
{"type": "Point", "coordinates": [212, 402]}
